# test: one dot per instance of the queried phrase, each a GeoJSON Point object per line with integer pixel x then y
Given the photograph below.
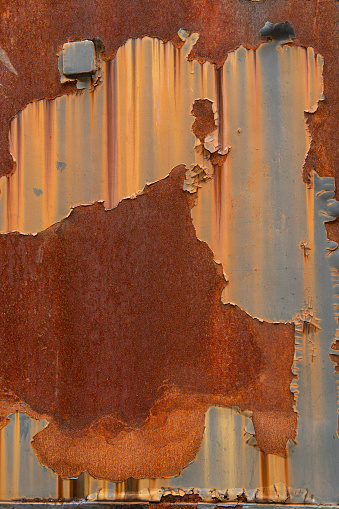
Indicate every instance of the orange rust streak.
{"type": "Point", "coordinates": [3, 463]}
{"type": "Point", "coordinates": [286, 473]}
{"type": "Point", "coordinates": [264, 474]}
{"type": "Point", "coordinates": [60, 487]}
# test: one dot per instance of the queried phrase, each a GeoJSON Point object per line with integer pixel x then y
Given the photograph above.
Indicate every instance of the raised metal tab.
{"type": "Point", "coordinates": [78, 58]}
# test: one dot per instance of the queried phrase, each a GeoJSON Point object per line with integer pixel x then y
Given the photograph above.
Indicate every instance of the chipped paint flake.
{"type": "Point", "coordinates": [6, 61]}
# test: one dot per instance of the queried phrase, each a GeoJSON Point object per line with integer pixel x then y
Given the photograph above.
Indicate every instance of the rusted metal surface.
{"type": "Point", "coordinates": [121, 326]}
{"type": "Point", "coordinates": [130, 280]}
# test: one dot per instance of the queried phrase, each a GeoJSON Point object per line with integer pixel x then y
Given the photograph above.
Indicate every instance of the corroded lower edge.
{"type": "Point", "coordinates": [139, 505]}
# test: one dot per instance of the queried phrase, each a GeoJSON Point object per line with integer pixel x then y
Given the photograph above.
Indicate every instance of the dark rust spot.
{"type": "Point", "coordinates": [332, 230]}
{"type": "Point", "coordinates": [113, 329]}
{"type": "Point", "coordinates": [176, 504]}
{"type": "Point", "coordinates": [217, 159]}
{"type": "Point", "coordinates": [321, 157]}
{"type": "Point", "coordinates": [177, 42]}
{"type": "Point", "coordinates": [186, 500]}
{"type": "Point", "coordinates": [204, 123]}
{"type": "Point", "coordinates": [242, 498]}
{"type": "Point", "coordinates": [335, 360]}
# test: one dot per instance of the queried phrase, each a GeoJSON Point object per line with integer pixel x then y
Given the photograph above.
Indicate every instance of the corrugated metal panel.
{"type": "Point", "coordinates": [260, 220]}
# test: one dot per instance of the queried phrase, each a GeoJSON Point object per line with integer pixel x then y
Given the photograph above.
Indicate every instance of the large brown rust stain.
{"type": "Point", "coordinates": [33, 32]}
{"type": "Point", "coordinates": [113, 329]}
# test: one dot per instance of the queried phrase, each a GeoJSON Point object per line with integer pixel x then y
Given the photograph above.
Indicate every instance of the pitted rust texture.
{"type": "Point", "coordinates": [187, 498]}
{"type": "Point", "coordinates": [113, 329]}
{"type": "Point", "coordinates": [176, 504]}
{"type": "Point", "coordinates": [32, 33]}
{"type": "Point", "coordinates": [204, 123]}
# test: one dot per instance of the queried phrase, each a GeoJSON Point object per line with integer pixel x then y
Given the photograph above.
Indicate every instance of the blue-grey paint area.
{"type": "Point", "coordinates": [264, 181]}
{"type": "Point", "coordinates": [277, 30]}
{"type": "Point", "coordinates": [315, 460]}
{"type": "Point", "coordinates": [78, 58]}
{"type": "Point", "coordinates": [22, 472]}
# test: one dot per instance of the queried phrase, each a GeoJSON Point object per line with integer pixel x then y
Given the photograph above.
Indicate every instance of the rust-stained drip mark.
{"type": "Point", "coordinates": [76, 487]}
{"type": "Point", "coordinates": [112, 297]}
{"type": "Point", "coordinates": [111, 137]}
{"type": "Point", "coordinates": [217, 167]}
{"type": "Point", "coordinates": [207, 120]}
{"type": "Point", "coordinates": [264, 475]}
{"type": "Point", "coordinates": [60, 488]}
{"type": "Point", "coordinates": [305, 247]}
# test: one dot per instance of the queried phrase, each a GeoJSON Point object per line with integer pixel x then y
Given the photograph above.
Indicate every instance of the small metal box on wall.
{"type": "Point", "coordinates": [169, 257]}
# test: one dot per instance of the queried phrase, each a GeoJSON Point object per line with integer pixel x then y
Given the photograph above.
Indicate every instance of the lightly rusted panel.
{"type": "Point", "coordinates": [38, 189]}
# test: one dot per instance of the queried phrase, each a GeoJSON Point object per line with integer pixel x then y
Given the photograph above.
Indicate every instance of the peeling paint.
{"type": "Point", "coordinates": [329, 213]}
{"type": "Point", "coordinates": [6, 61]}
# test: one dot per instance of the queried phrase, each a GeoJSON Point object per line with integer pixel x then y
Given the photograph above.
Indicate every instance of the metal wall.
{"type": "Point", "coordinates": [168, 253]}
{"type": "Point", "coordinates": [262, 222]}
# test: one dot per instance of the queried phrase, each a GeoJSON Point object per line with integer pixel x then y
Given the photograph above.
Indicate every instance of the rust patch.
{"type": "Point", "coordinates": [332, 230]}
{"type": "Point", "coordinates": [204, 123]}
{"type": "Point", "coordinates": [177, 504]}
{"type": "Point", "coordinates": [218, 159]}
{"type": "Point", "coordinates": [187, 498]}
{"type": "Point", "coordinates": [113, 329]}
{"type": "Point", "coordinates": [335, 360]}
{"type": "Point", "coordinates": [177, 41]}
{"type": "Point", "coordinates": [321, 157]}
